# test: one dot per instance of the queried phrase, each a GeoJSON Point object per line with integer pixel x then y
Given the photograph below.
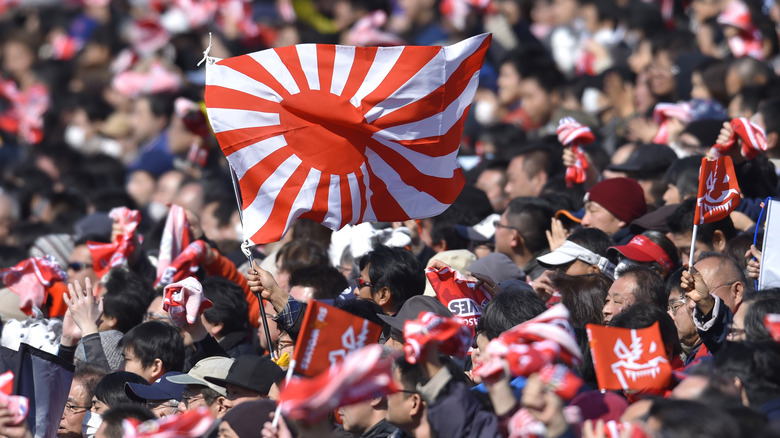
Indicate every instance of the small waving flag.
{"type": "Point", "coordinates": [451, 334]}
{"type": "Point", "coordinates": [464, 299]}
{"type": "Point", "coordinates": [628, 359]}
{"type": "Point", "coordinates": [186, 264]}
{"type": "Point", "coordinates": [191, 424]}
{"type": "Point", "coordinates": [363, 375]}
{"type": "Point", "coordinates": [665, 111]}
{"type": "Point", "coordinates": [184, 301]}
{"type": "Point", "coordinates": [108, 255]}
{"type": "Point", "coordinates": [772, 324]}
{"type": "Point", "coordinates": [175, 237]}
{"type": "Point", "coordinates": [32, 279]}
{"type": "Point", "coordinates": [718, 190]}
{"type": "Point", "coordinates": [342, 135]}
{"type": "Point", "coordinates": [752, 136]}
{"type": "Point", "coordinates": [572, 133]}
{"type": "Point", "coordinates": [18, 405]}
{"type": "Point", "coordinates": [327, 335]}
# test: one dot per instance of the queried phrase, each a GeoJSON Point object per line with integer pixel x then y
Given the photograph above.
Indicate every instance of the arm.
{"type": "Point", "coordinates": [710, 314]}
{"type": "Point", "coordinates": [217, 264]}
{"type": "Point", "coordinates": [85, 313]}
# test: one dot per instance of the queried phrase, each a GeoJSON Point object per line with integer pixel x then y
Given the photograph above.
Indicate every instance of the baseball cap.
{"type": "Point", "coordinates": [642, 249]}
{"type": "Point", "coordinates": [161, 389]}
{"type": "Point", "coordinates": [497, 267]}
{"type": "Point", "coordinates": [481, 232]}
{"type": "Point", "coordinates": [567, 253]}
{"type": "Point", "coordinates": [411, 310]}
{"type": "Point", "coordinates": [655, 220]}
{"type": "Point", "coordinates": [255, 373]}
{"type": "Point", "coordinates": [215, 366]}
{"type": "Point", "coordinates": [647, 161]}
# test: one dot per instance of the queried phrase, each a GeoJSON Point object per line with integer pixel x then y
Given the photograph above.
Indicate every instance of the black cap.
{"type": "Point", "coordinates": [412, 309]}
{"type": "Point", "coordinates": [255, 373]}
{"type": "Point", "coordinates": [655, 220]}
{"type": "Point", "coordinates": [647, 161]}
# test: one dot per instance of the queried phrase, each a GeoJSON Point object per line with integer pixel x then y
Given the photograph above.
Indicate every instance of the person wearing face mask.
{"type": "Point", "coordinates": [82, 389]}
{"type": "Point", "coordinates": [83, 132]}
{"type": "Point", "coordinates": [110, 392]}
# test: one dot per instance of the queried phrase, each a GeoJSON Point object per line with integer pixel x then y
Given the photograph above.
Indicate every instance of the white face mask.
{"type": "Point", "coordinates": [157, 210]}
{"type": "Point", "coordinates": [90, 424]}
{"type": "Point", "coordinates": [484, 112]}
{"type": "Point", "coordinates": [75, 137]}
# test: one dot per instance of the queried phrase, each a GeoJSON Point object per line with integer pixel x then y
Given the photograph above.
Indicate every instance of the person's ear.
{"type": "Point", "coordinates": [379, 403]}
{"type": "Point", "coordinates": [417, 405]}
{"type": "Point", "coordinates": [737, 289]}
{"type": "Point", "coordinates": [772, 139]}
{"type": "Point", "coordinates": [157, 368]}
{"type": "Point", "coordinates": [594, 269]}
{"type": "Point", "coordinates": [718, 241]}
{"type": "Point", "coordinates": [383, 296]}
{"type": "Point", "coordinates": [622, 224]}
{"type": "Point", "coordinates": [109, 321]}
{"type": "Point", "coordinates": [221, 407]}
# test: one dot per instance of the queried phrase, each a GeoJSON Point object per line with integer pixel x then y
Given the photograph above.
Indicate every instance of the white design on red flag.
{"type": "Point", "coordinates": [628, 367]}
{"type": "Point", "coordinates": [343, 135]}
{"type": "Point", "coordinates": [718, 190]}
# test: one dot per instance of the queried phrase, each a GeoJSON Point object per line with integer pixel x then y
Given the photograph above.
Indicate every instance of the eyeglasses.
{"type": "Point", "coordinates": [498, 224]}
{"type": "Point", "coordinates": [157, 405]}
{"type": "Point", "coordinates": [675, 305]}
{"type": "Point", "coordinates": [78, 266]}
{"type": "Point", "coordinates": [73, 409]}
{"type": "Point", "coordinates": [189, 399]}
{"type": "Point", "coordinates": [363, 283]}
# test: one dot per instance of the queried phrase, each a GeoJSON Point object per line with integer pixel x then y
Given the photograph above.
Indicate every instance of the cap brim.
{"type": "Point", "coordinates": [574, 216]}
{"type": "Point", "coordinates": [632, 252]}
{"type": "Point", "coordinates": [186, 379]}
{"type": "Point", "coordinates": [392, 321]}
{"type": "Point", "coordinates": [146, 392]}
{"type": "Point", "coordinates": [555, 258]}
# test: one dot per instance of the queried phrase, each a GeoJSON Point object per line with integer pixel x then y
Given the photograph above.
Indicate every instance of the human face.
{"type": "Point", "coordinates": [80, 266]}
{"type": "Point", "coordinates": [143, 123]}
{"type": "Point", "coordinates": [619, 297]}
{"type": "Point", "coordinates": [699, 89]}
{"type": "Point", "coordinates": [355, 418]}
{"type": "Point", "coordinates": [683, 243]}
{"type": "Point", "coordinates": [671, 195]}
{"type": "Point", "coordinates": [98, 407]}
{"type": "Point", "coordinates": [508, 84]}
{"type": "Point", "coordinates": [505, 236]}
{"type": "Point", "coordinates": [519, 182]}
{"type": "Point", "coordinates": [273, 328]}
{"type": "Point", "coordinates": [492, 182]}
{"type": "Point", "coordinates": [237, 395]}
{"type": "Point", "coordinates": [75, 409]}
{"type": "Point", "coordinates": [141, 186]}
{"type": "Point", "coordinates": [363, 289]}
{"type": "Point", "coordinates": [132, 364]}
{"type": "Point", "coordinates": [536, 101]}
{"type": "Point", "coordinates": [482, 342]}
{"type": "Point", "coordinates": [192, 398]}
{"type": "Point", "coordinates": [225, 431]}
{"type": "Point", "coordinates": [597, 216]}
{"type": "Point", "coordinates": [661, 75]}
{"type": "Point", "coordinates": [162, 409]}
{"type": "Point", "coordinates": [716, 283]}
{"type": "Point", "coordinates": [682, 315]}
{"type": "Point", "coordinates": [399, 406]}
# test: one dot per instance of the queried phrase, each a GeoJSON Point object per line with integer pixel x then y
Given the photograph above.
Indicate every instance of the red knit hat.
{"type": "Point", "coordinates": [623, 197]}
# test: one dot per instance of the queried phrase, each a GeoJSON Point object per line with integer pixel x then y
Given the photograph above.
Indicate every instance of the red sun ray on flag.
{"type": "Point", "coordinates": [342, 135]}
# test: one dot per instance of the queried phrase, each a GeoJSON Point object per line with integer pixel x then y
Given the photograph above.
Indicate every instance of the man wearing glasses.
{"type": "Point", "coordinates": [198, 392]}
{"type": "Point", "coordinates": [82, 388]}
{"type": "Point", "coordinates": [80, 261]}
{"type": "Point", "coordinates": [682, 314]}
{"type": "Point", "coordinates": [520, 234]}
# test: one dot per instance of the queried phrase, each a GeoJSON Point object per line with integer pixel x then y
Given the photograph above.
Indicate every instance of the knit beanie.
{"type": "Point", "coordinates": [623, 197]}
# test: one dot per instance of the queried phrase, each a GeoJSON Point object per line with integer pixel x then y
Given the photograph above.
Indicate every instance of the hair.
{"type": "Point", "coordinates": [691, 419]}
{"type": "Point", "coordinates": [155, 340]}
{"type": "Point", "coordinates": [112, 419]}
{"type": "Point", "coordinates": [160, 104]}
{"type": "Point", "coordinates": [532, 218]}
{"type": "Point", "coordinates": [226, 206]}
{"type": "Point", "coordinates": [684, 174]}
{"type": "Point", "coordinates": [713, 73]}
{"type": "Point", "coordinates": [761, 303]}
{"type": "Point", "coordinates": [750, 70]}
{"type": "Point", "coordinates": [771, 112]}
{"type": "Point", "coordinates": [639, 317]}
{"type": "Point", "coordinates": [396, 269]}
{"type": "Point", "coordinates": [592, 239]}
{"type": "Point", "coordinates": [88, 375]}
{"type": "Point", "coordinates": [649, 286]}
{"type": "Point", "coordinates": [546, 74]}
{"type": "Point", "coordinates": [209, 395]}
{"type": "Point", "coordinates": [111, 388]}
{"type": "Point", "coordinates": [756, 367]}
{"type": "Point", "coordinates": [411, 374]}
{"type": "Point", "coordinates": [667, 245]}
{"type": "Point", "coordinates": [507, 309]}
{"type": "Point", "coordinates": [739, 245]}
{"type": "Point", "coordinates": [229, 305]}
{"type": "Point", "coordinates": [300, 253]}
{"type": "Point", "coordinates": [672, 282]}
{"type": "Point", "coordinates": [681, 219]}
{"type": "Point", "coordinates": [127, 298]}
{"type": "Point", "coordinates": [583, 295]}
{"type": "Point", "coordinates": [308, 229]}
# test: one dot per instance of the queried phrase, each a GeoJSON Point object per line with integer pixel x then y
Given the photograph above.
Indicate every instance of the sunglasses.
{"type": "Point", "coordinates": [78, 266]}
{"type": "Point", "coordinates": [363, 283]}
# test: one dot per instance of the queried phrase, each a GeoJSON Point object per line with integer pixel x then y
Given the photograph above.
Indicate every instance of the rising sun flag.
{"type": "Point", "coordinates": [342, 135]}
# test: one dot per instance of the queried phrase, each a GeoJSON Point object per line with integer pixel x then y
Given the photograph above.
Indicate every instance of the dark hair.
{"type": "Point", "coordinates": [411, 374]}
{"type": "Point", "coordinates": [532, 218]}
{"type": "Point", "coordinates": [111, 388]}
{"type": "Point", "coordinates": [546, 74]}
{"type": "Point", "coordinates": [739, 245]}
{"type": "Point", "coordinates": [112, 419]}
{"type": "Point", "coordinates": [639, 317]}
{"type": "Point", "coordinates": [507, 309]}
{"type": "Point", "coordinates": [592, 239]}
{"type": "Point", "coordinates": [229, 305]}
{"type": "Point", "coordinates": [209, 395]}
{"type": "Point", "coordinates": [155, 340]}
{"type": "Point", "coordinates": [771, 112]}
{"type": "Point", "coordinates": [761, 303]}
{"type": "Point", "coordinates": [691, 419]}
{"type": "Point", "coordinates": [583, 295]}
{"type": "Point", "coordinates": [88, 375]}
{"type": "Point", "coordinates": [160, 104]}
{"type": "Point", "coordinates": [667, 246]}
{"type": "Point", "coordinates": [365, 309]}
{"type": "Point", "coordinates": [755, 365]}
{"type": "Point", "coordinates": [649, 286]}
{"type": "Point", "coordinates": [223, 211]}
{"type": "Point", "coordinates": [684, 174]}
{"type": "Point", "coordinates": [327, 281]}
{"type": "Point", "coordinates": [396, 269]}
{"type": "Point", "coordinates": [299, 253]}
{"type": "Point", "coordinates": [713, 74]}
{"type": "Point", "coordinates": [127, 298]}
{"type": "Point", "coordinates": [681, 219]}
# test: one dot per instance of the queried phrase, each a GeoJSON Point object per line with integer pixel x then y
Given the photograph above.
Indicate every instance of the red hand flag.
{"type": "Point", "coordinates": [31, 279]}
{"type": "Point", "coordinates": [327, 335]}
{"type": "Point", "coordinates": [629, 358]}
{"type": "Point", "coordinates": [108, 255]}
{"type": "Point", "coordinates": [718, 190]}
{"type": "Point", "coordinates": [574, 134]}
{"type": "Point", "coordinates": [185, 264]}
{"type": "Point", "coordinates": [752, 136]}
{"type": "Point", "coordinates": [176, 236]}
{"type": "Point", "coordinates": [363, 375]}
{"type": "Point", "coordinates": [342, 135]}
{"type": "Point", "coordinates": [18, 405]}
{"type": "Point", "coordinates": [772, 324]}
{"type": "Point", "coordinates": [464, 299]}
{"type": "Point", "coordinates": [191, 424]}
{"type": "Point", "coordinates": [451, 334]}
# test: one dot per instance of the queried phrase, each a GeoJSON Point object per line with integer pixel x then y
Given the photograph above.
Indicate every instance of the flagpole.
{"type": "Point", "coordinates": [693, 244]}
{"type": "Point", "coordinates": [247, 250]}
{"type": "Point", "coordinates": [278, 411]}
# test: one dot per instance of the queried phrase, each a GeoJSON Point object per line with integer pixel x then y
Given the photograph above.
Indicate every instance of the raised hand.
{"type": "Point", "coordinates": [84, 309]}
